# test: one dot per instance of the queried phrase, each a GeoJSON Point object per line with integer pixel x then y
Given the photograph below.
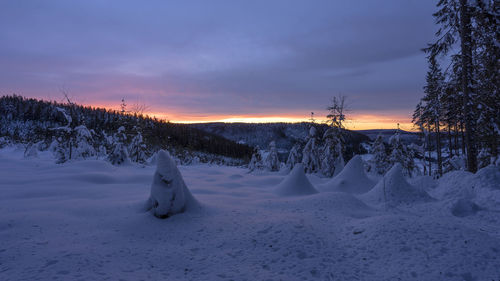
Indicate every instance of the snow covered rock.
{"type": "Point", "coordinates": [169, 194]}
{"type": "Point", "coordinates": [352, 179]}
{"type": "Point", "coordinates": [393, 189]}
{"type": "Point", "coordinates": [295, 184]}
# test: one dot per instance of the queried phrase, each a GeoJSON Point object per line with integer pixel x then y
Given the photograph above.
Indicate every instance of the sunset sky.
{"type": "Point", "coordinates": [199, 61]}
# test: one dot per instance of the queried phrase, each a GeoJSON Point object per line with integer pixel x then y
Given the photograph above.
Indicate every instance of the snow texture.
{"type": "Point", "coordinates": [295, 183]}
{"type": "Point", "coordinates": [84, 220]}
{"type": "Point", "coordinates": [352, 179]}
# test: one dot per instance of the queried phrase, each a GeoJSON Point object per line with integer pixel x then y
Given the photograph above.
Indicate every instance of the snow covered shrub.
{"type": "Point", "coordinates": [352, 179]}
{"type": "Point", "coordinates": [3, 142]}
{"type": "Point", "coordinates": [169, 193]}
{"type": "Point", "coordinates": [84, 143]}
{"type": "Point", "coordinates": [400, 154]}
{"type": "Point", "coordinates": [483, 158]}
{"type": "Point", "coordinates": [393, 189]}
{"type": "Point", "coordinates": [455, 163]}
{"type": "Point", "coordinates": [332, 160]}
{"type": "Point", "coordinates": [295, 183]}
{"type": "Point", "coordinates": [293, 157]}
{"type": "Point", "coordinates": [256, 161]}
{"type": "Point", "coordinates": [118, 154]}
{"type": "Point", "coordinates": [31, 151]}
{"type": "Point", "coordinates": [310, 154]}
{"type": "Point", "coordinates": [137, 148]}
{"type": "Point", "coordinates": [272, 162]}
{"type": "Point", "coordinates": [379, 162]}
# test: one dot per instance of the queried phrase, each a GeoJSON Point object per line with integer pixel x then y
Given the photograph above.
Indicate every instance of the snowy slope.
{"type": "Point", "coordinates": [84, 220]}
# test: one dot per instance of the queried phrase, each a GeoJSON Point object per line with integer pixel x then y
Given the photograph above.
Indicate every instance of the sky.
{"type": "Point", "coordinates": [198, 61]}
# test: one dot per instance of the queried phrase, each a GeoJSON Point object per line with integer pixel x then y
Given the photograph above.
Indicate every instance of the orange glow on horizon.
{"type": "Point", "coordinates": [355, 121]}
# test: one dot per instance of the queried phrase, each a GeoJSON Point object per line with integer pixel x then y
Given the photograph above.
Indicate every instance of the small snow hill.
{"type": "Point", "coordinates": [352, 179]}
{"type": "Point", "coordinates": [295, 184]}
{"type": "Point", "coordinates": [393, 189]}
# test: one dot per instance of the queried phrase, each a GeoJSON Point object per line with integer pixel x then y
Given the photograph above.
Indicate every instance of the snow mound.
{"type": "Point", "coordinates": [169, 193]}
{"type": "Point", "coordinates": [352, 179]}
{"type": "Point", "coordinates": [453, 186]}
{"type": "Point", "coordinates": [393, 189]}
{"type": "Point", "coordinates": [464, 207]}
{"type": "Point", "coordinates": [296, 183]}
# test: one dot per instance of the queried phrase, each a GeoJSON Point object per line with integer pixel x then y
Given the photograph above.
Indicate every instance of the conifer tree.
{"type": "Point", "coordinates": [272, 162]}
{"type": "Point", "coordinates": [310, 153]}
{"type": "Point", "coordinates": [293, 157]}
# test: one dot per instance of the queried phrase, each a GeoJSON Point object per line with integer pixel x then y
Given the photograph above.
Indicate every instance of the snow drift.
{"type": "Point", "coordinates": [352, 179]}
{"type": "Point", "coordinates": [296, 183]}
{"type": "Point", "coordinates": [169, 193]}
{"type": "Point", "coordinates": [393, 189]}
{"type": "Point", "coordinates": [480, 190]}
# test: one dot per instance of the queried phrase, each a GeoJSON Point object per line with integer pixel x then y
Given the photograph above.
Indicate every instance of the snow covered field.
{"type": "Point", "coordinates": [84, 220]}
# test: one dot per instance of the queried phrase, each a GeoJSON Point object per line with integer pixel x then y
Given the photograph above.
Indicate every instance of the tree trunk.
{"type": "Point", "coordinates": [429, 149]}
{"type": "Point", "coordinates": [438, 150]}
{"type": "Point", "coordinates": [466, 47]}
{"type": "Point", "coordinates": [450, 145]}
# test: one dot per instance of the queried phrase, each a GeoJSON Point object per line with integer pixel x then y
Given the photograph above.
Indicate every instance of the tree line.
{"type": "Point", "coordinates": [462, 102]}
{"type": "Point", "coordinates": [29, 121]}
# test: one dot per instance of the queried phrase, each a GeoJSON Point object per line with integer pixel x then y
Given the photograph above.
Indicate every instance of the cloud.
{"type": "Point", "coordinates": [219, 57]}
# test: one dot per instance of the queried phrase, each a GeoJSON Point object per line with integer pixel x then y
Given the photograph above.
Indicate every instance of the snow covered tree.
{"type": "Point", "coordinates": [293, 157]}
{"type": "Point", "coordinates": [137, 148]}
{"type": "Point", "coordinates": [256, 161]}
{"type": "Point", "coordinates": [272, 162]}
{"type": "Point", "coordinates": [432, 108]}
{"type": "Point", "coordinates": [310, 153]}
{"type": "Point", "coordinates": [379, 162]}
{"type": "Point", "coordinates": [473, 27]}
{"type": "Point", "coordinates": [400, 154]}
{"type": "Point", "coordinates": [83, 143]}
{"type": "Point", "coordinates": [169, 193]}
{"type": "Point", "coordinates": [118, 154]}
{"type": "Point", "coordinates": [332, 159]}
{"type": "Point", "coordinates": [337, 108]}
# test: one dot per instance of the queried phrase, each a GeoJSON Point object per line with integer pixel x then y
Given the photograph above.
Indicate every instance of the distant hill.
{"type": "Point", "coordinates": [406, 137]}
{"type": "Point", "coordinates": [284, 134]}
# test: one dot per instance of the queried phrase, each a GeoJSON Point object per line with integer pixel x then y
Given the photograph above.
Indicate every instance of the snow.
{"type": "Point", "coordinates": [393, 189]}
{"type": "Point", "coordinates": [169, 193]}
{"type": "Point", "coordinates": [295, 183]}
{"type": "Point", "coordinates": [352, 179]}
{"type": "Point", "coordinates": [84, 220]}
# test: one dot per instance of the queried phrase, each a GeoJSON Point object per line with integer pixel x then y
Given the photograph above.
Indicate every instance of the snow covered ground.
{"type": "Point", "coordinates": [85, 221]}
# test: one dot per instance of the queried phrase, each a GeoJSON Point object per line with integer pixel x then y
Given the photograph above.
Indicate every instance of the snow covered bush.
{"type": "Point", "coordinates": [169, 193]}
{"type": "Point", "coordinates": [310, 154]}
{"type": "Point", "coordinates": [84, 143]}
{"type": "Point", "coordinates": [393, 189]}
{"type": "Point", "coordinates": [400, 154]}
{"type": "Point", "coordinates": [293, 157]}
{"type": "Point", "coordinates": [379, 162]}
{"type": "Point", "coordinates": [352, 179]}
{"type": "Point", "coordinates": [118, 154]}
{"type": "Point", "coordinates": [272, 162]}
{"type": "Point", "coordinates": [31, 151]}
{"type": "Point", "coordinates": [256, 161]}
{"type": "Point", "coordinates": [295, 183]}
{"type": "Point", "coordinates": [137, 148]}
{"type": "Point", "coordinates": [332, 160]}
